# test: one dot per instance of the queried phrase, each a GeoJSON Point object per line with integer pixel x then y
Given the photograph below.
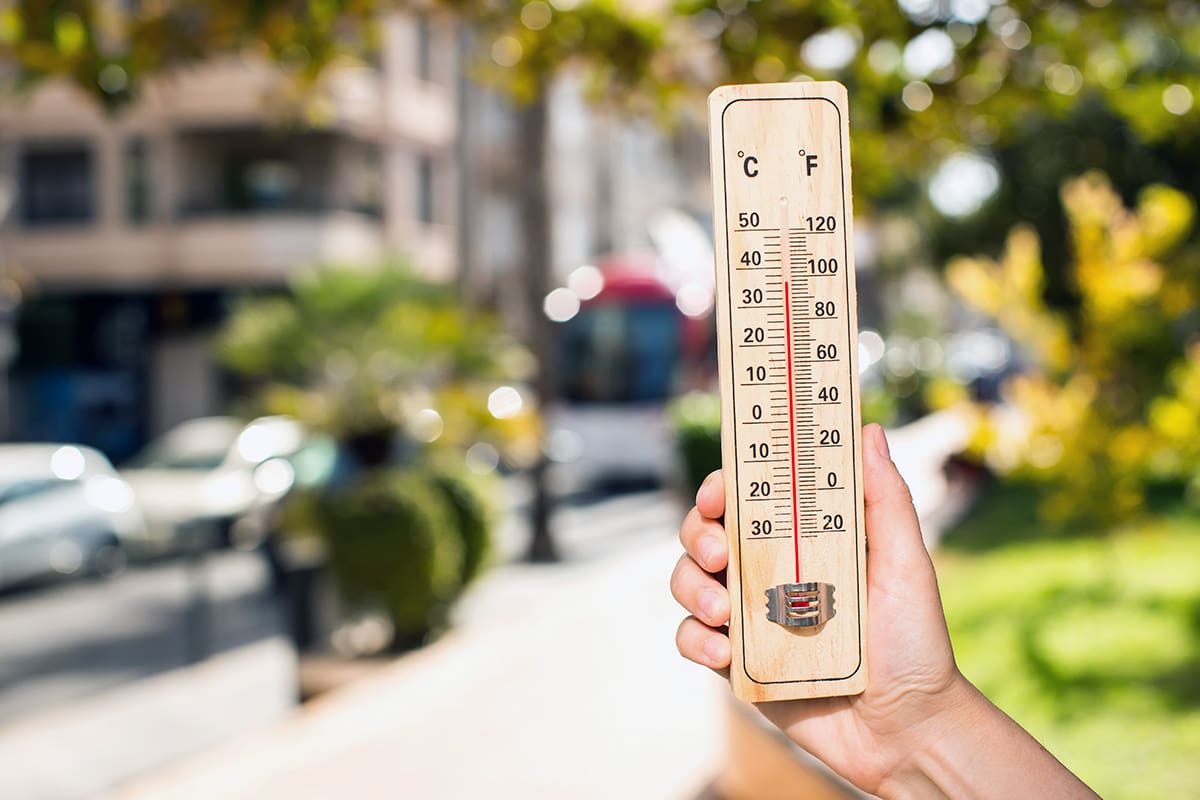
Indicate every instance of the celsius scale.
{"type": "Point", "coordinates": [787, 330]}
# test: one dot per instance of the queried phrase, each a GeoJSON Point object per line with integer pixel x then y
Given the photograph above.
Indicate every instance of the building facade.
{"type": "Point", "coordinates": [129, 235]}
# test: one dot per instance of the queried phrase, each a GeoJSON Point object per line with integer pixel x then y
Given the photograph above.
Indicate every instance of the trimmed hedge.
{"type": "Point", "coordinates": [468, 503]}
{"type": "Point", "coordinates": [394, 544]}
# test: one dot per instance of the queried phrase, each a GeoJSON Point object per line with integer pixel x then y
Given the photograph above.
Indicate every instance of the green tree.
{"type": "Point", "coordinates": [373, 356]}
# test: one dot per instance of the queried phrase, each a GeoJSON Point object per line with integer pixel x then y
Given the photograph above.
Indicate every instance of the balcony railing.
{"type": "Point", "coordinates": [197, 250]}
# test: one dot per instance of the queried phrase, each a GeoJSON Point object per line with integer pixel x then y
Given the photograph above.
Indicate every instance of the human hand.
{"type": "Point", "coordinates": [914, 682]}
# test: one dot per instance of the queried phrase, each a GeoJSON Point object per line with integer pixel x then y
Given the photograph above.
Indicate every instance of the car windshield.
{"type": "Point", "coordinates": [201, 444]}
{"type": "Point", "coordinates": [21, 489]}
{"type": "Point", "coordinates": [168, 459]}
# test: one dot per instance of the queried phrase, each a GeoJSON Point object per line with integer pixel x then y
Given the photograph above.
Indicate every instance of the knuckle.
{"type": "Point", "coordinates": [682, 636]}
{"type": "Point", "coordinates": [679, 578]}
{"type": "Point", "coordinates": [691, 523]}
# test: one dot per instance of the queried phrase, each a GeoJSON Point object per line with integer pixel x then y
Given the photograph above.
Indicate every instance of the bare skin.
{"type": "Point", "coordinates": [920, 729]}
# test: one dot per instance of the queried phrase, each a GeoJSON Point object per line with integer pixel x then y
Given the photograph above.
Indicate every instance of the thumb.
{"type": "Point", "coordinates": [893, 531]}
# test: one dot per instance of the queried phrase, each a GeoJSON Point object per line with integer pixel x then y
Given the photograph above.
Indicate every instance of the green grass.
{"type": "Point", "coordinates": [1091, 642]}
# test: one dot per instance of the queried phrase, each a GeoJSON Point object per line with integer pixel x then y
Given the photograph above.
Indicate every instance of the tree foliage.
{"type": "Point", "coordinates": [373, 351]}
{"type": "Point", "coordinates": [925, 76]}
{"type": "Point", "coordinates": [1095, 421]}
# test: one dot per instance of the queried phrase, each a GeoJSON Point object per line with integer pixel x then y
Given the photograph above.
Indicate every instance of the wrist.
{"type": "Point", "coordinates": [920, 770]}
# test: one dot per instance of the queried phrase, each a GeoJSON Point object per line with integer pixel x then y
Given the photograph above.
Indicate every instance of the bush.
{"type": "Point", "coordinates": [393, 545]}
{"type": "Point", "coordinates": [468, 503]}
{"type": "Point", "coordinates": [696, 421]}
{"type": "Point", "coordinates": [397, 371]}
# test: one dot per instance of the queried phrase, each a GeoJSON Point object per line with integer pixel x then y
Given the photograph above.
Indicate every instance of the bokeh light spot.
{"type": "Point", "coordinates": [67, 463]}
{"type": "Point", "coordinates": [1177, 99]}
{"type": "Point", "coordinates": [561, 304]}
{"type": "Point", "coordinates": [507, 51]}
{"type": "Point", "coordinates": [962, 184]}
{"type": "Point", "coordinates": [917, 96]}
{"type": "Point", "coordinates": [505, 402]}
{"type": "Point", "coordinates": [586, 281]}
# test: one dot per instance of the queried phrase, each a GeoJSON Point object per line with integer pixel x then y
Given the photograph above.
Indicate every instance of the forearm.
{"type": "Point", "coordinates": [979, 753]}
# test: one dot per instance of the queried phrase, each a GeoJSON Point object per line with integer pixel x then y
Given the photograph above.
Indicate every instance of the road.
{"type": "Point", "coordinates": [71, 640]}
{"type": "Point", "coordinates": [75, 639]}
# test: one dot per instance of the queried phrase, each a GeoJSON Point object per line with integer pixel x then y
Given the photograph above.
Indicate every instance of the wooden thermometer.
{"type": "Point", "coordinates": [787, 329]}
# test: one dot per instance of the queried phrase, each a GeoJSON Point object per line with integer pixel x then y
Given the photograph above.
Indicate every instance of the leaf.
{"type": "Point", "coordinates": [70, 35]}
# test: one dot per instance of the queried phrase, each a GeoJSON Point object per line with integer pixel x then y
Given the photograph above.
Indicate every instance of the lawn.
{"type": "Point", "coordinates": [1091, 642]}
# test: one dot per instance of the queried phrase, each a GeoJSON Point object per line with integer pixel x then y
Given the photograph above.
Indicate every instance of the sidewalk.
{"type": "Point", "coordinates": [516, 702]}
{"type": "Point", "coordinates": [82, 748]}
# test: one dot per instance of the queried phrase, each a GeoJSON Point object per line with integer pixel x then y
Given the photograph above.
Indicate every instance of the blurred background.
{"type": "Point", "coordinates": [357, 366]}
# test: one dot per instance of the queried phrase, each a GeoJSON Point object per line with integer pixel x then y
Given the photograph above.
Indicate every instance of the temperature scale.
{"type": "Point", "coordinates": [787, 330]}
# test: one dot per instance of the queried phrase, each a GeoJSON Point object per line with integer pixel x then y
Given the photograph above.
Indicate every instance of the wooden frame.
{"type": "Point", "coordinates": [790, 419]}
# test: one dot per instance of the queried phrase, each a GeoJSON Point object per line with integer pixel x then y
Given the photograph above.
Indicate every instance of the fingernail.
{"type": "Point", "coordinates": [710, 549]}
{"type": "Point", "coordinates": [708, 605]}
{"type": "Point", "coordinates": [881, 444]}
{"type": "Point", "coordinates": [716, 650]}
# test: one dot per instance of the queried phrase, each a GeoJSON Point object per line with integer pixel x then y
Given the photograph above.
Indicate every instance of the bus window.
{"type": "Point", "coordinates": [621, 353]}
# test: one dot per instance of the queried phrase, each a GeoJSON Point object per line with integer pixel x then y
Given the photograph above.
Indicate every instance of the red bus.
{"type": "Point", "coordinates": [630, 348]}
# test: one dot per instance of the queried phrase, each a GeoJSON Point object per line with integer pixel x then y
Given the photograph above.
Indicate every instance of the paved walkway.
{"type": "Point", "coordinates": [81, 748]}
{"type": "Point", "coordinates": [564, 682]}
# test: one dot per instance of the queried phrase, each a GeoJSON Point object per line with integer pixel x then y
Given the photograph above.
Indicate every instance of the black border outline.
{"type": "Point", "coordinates": [854, 434]}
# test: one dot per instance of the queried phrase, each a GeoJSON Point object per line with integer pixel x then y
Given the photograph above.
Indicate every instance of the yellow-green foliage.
{"type": "Point", "coordinates": [361, 350]}
{"type": "Point", "coordinates": [1112, 402]}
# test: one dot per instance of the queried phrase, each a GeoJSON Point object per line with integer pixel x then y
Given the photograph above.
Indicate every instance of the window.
{"type": "Point", "coordinates": [57, 185]}
{"type": "Point", "coordinates": [425, 204]}
{"type": "Point", "coordinates": [137, 183]}
{"type": "Point", "coordinates": [424, 48]}
{"type": "Point", "coordinates": [621, 353]}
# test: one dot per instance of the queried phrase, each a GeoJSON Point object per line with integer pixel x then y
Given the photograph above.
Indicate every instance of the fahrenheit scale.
{"type": "Point", "coordinates": [787, 330]}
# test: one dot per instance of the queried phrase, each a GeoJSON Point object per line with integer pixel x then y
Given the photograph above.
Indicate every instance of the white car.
{"type": "Point", "coordinates": [63, 510]}
{"type": "Point", "coordinates": [209, 474]}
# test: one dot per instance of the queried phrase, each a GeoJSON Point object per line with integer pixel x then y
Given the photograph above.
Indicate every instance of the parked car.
{"type": "Point", "coordinates": [63, 511]}
{"type": "Point", "coordinates": [217, 475]}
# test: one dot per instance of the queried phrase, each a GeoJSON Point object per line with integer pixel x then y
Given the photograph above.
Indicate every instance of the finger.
{"type": "Point", "coordinates": [710, 498]}
{"type": "Point", "coordinates": [893, 531]}
{"type": "Point", "coordinates": [702, 644]}
{"type": "Point", "coordinates": [699, 593]}
{"type": "Point", "coordinates": [704, 540]}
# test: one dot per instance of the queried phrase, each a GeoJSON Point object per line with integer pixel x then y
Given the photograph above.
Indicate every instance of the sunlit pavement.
{"type": "Point", "coordinates": [68, 641]}
{"type": "Point", "coordinates": [93, 683]}
{"type": "Point", "coordinates": [558, 682]}
{"type": "Point", "coordinates": [82, 748]}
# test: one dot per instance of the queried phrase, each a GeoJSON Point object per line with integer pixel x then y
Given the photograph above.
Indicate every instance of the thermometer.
{"type": "Point", "coordinates": [787, 331]}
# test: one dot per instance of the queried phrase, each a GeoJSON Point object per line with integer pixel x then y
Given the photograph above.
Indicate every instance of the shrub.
{"type": "Point", "coordinates": [467, 501]}
{"type": "Point", "coordinates": [696, 421]}
{"type": "Point", "coordinates": [397, 371]}
{"type": "Point", "coordinates": [393, 545]}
